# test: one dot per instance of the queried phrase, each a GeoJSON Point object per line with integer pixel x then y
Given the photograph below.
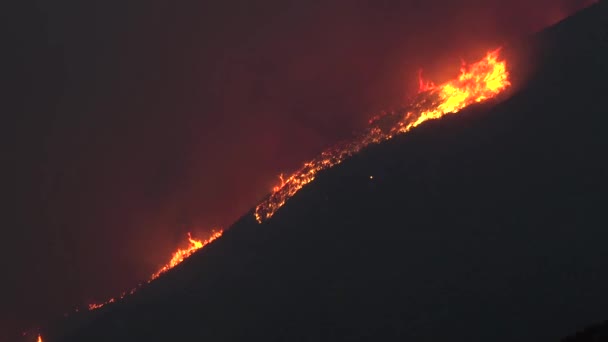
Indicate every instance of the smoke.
{"type": "Point", "coordinates": [144, 122]}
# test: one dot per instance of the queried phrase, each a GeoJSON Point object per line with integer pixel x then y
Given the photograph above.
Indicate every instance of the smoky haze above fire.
{"type": "Point", "coordinates": [485, 225]}
{"type": "Point", "coordinates": [137, 124]}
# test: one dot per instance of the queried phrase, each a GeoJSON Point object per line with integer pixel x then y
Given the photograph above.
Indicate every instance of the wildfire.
{"type": "Point", "coordinates": [480, 81]}
{"type": "Point", "coordinates": [178, 256]}
{"type": "Point", "coordinates": [477, 82]}
{"type": "Point", "coordinates": [182, 254]}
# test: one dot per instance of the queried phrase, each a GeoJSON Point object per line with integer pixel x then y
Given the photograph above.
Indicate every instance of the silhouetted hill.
{"type": "Point", "coordinates": [489, 225]}
{"type": "Point", "coordinates": [594, 333]}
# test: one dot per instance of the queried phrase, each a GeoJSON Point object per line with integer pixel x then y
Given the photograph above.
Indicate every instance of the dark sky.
{"type": "Point", "coordinates": [135, 123]}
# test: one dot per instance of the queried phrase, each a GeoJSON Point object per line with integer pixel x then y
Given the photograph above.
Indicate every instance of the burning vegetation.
{"type": "Point", "coordinates": [178, 256]}
{"type": "Point", "coordinates": [477, 82]}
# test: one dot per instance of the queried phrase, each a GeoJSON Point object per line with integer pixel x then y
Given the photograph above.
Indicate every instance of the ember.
{"type": "Point", "coordinates": [477, 82]}
{"type": "Point", "coordinates": [179, 256]}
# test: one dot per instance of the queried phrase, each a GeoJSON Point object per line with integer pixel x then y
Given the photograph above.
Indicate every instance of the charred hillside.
{"type": "Point", "coordinates": [489, 225]}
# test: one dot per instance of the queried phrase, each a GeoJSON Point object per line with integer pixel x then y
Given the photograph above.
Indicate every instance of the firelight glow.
{"type": "Point", "coordinates": [477, 82]}
{"type": "Point", "coordinates": [181, 254]}
{"type": "Point", "coordinates": [178, 256]}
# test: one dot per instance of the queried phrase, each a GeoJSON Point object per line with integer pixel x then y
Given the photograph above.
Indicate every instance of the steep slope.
{"type": "Point", "coordinates": [487, 225]}
{"type": "Point", "coordinates": [596, 332]}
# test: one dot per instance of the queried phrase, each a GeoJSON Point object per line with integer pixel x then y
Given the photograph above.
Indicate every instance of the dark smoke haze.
{"type": "Point", "coordinates": [138, 123]}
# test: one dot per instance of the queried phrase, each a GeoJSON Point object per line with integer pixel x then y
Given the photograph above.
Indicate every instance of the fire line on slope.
{"type": "Point", "coordinates": [477, 82]}
{"type": "Point", "coordinates": [178, 256]}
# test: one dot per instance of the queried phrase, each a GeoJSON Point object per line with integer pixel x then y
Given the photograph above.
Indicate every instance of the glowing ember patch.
{"type": "Point", "coordinates": [179, 256]}
{"type": "Point", "coordinates": [480, 81]}
{"type": "Point", "coordinates": [182, 254]}
{"type": "Point", "coordinates": [94, 306]}
{"type": "Point", "coordinates": [477, 82]}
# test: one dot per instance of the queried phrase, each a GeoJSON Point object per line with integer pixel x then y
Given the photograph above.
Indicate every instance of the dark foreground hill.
{"type": "Point", "coordinates": [489, 225]}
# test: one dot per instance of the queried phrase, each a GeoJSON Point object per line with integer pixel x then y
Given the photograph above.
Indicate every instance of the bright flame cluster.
{"type": "Point", "coordinates": [178, 256]}
{"type": "Point", "coordinates": [480, 81]}
{"type": "Point", "coordinates": [182, 254]}
{"type": "Point", "coordinates": [477, 82]}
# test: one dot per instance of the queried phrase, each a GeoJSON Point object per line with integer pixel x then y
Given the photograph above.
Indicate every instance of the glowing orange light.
{"type": "Point", "coordinates": [178, 256]}
{"type": "Point", "coordinates": [477, 82]}
{"type": "Point", "coordinates": [182, 254]}
{"type": "Point", "coordinates": [480, 81]}
{"type": "Point", "coordinates": [39, 338]}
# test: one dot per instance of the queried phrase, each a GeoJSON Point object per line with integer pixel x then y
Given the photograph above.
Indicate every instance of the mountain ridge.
{"type": "Point", "coordinates": [452, 207]}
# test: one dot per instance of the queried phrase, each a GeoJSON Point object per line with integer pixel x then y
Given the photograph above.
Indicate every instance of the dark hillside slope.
{"type": "Point", "coordinates": [489, 225]}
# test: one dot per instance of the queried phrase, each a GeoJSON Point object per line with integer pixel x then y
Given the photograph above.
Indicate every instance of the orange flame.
{"type": "Point", "coordinates": [179, 256]}
{"type": "Point", "coordinates": [182, 254]}
{"type": "Point", "coordinates": [39, 339]}
{"type": "Point", "coordinates": [481, 81]}
{"type": "Point", "coordinates": [478, 82]}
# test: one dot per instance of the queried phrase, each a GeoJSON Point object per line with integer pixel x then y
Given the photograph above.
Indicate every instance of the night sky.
{"type": "Point", "coordinates": [136, 123]}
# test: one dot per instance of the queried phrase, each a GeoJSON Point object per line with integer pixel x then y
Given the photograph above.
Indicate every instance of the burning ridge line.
{"type": "Point", "coordinates": [476, 83]}
{"type": "Point", "coordinates": [178, 256]}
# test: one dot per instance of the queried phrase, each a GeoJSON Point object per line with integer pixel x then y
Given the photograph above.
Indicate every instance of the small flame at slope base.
{"type": "Point", "coordinates": [178, 256]}
{"type": "Point", "coordinates": [181, 254]}
{"type": "Point", "coordinates": [477, 82]}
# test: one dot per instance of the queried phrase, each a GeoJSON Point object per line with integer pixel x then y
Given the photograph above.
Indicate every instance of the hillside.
{"type": "Point", "coordinates": [489, 225]}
